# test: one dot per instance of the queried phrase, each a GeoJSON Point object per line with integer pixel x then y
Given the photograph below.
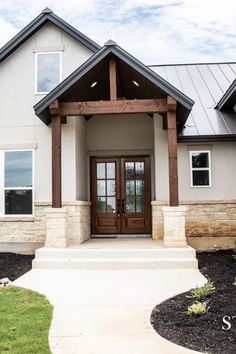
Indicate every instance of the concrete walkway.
{"type": "Point", "coordinates": [108, 311]}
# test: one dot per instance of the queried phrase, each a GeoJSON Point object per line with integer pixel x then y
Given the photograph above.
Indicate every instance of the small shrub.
{"type": "Point", "coordinates": [202, 292]}
{"type": "Point", "coordinates": [198, 308]}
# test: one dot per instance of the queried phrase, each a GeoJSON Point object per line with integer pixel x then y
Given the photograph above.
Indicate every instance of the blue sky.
{"type": "Point", "coordinates": [155, 31]}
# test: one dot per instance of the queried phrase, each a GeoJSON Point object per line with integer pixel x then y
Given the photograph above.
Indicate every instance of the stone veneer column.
{"type": "Point", "coordinates": [174, 226]}
{"type": "Point", "coordinates": [56, 227]}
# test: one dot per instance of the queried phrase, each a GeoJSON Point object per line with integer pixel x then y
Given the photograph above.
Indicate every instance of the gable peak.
{"type": "Point", "coordinates": [110, 42]}
{"type": "Point", "coordinates": [47, 11]}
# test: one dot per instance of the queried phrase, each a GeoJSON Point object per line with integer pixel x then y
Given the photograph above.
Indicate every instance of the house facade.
{"type": "Point", "coordinates": [96, 144]}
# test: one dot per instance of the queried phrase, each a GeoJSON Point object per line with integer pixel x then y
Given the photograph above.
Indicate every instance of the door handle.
{"type": "Point", "coordinates": [119, 206]}
{"type": "Point", "coordinates": [122, 206]}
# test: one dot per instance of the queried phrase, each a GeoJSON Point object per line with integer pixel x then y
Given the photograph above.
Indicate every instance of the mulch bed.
{"type": "Point", "coordinates": [13, 265]}
{"type": "Point", "coordinates": [203, 333]}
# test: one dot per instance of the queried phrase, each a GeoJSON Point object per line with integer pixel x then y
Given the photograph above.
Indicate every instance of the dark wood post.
{"type": "Point", "coordinates": [172, 152]}
{"type": "Point", "coordinates": [56, 155]}
{"type": "Point", "coordinates": [112, 79]}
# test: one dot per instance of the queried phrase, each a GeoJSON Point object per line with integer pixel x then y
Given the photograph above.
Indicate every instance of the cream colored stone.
{"type": "Point", "coordinates": [174, 226]}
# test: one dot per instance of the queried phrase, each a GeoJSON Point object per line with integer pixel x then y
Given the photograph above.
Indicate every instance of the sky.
{"type": "Point", "coordinates": [154, 31]}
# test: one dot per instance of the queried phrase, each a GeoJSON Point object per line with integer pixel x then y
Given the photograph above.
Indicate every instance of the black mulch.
{"type": "Point", "coordinates": [203, 333]}
{"type": "Point", "coordinates": [13, 265]}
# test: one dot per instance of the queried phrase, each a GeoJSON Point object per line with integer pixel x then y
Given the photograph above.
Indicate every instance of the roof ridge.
{"type": "Point", "coordinates": [181, 64]}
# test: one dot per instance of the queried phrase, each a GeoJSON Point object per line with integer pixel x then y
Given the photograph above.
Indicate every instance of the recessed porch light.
{"type": "Point", "coordinates": [135, 83]}
{"type": "Point", "coordinates": [94, 84]}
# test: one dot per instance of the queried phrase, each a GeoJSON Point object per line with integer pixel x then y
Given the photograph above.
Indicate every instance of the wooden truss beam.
{"type": "Point", "coordinates": [90, 108]}
{"type": "Point", "coordinates": [112, 79]}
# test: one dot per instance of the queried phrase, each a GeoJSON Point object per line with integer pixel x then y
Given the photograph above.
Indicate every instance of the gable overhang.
{"type": "Point", "coordinates": [184, 103]}
{"type": "Point", "coordinates": [47, 16]}
{"type": "Point", "coordinates": [228, 100]}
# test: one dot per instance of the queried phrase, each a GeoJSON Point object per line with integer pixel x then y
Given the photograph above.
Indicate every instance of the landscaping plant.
{"type": "Point", "coordinates": [202, 292]}
{"type": "Point", "coordinates": [197, 308]}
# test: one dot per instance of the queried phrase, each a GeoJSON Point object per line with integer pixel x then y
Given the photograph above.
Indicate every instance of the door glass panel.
{"type": "Point", "coordinates": [101, 202]}
{"type": "Point", "coordinates": [111, 187]}
{"type": "Point", "coordinates": [130, 187]}
{"type": "Point", "coordinates": [139, 204]}
{"type": "Point", "coordinates": [139, 187]}
{"type": "Point", "coordinates": [110, 170]}
{"type": "Point", "coordinates": [130, 204]}
{"type": "Point", "coordinates": [129, 169]}
{"type": "Point", "coordinates": [101, 170]}
{"type": "Point", "coordinates": [101, 187]}
{"type": "Point", "coordinates": [111, 204]}
{"type": "Point", "coordinates": [139, 169]}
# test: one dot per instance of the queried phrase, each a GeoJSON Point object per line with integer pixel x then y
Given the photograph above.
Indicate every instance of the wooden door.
{"type": "Point", "coordinates": [120, 195]}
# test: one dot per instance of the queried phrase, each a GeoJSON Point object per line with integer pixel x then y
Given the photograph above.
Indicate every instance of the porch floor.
{"type": "Point", "coordinates": [121, 242]}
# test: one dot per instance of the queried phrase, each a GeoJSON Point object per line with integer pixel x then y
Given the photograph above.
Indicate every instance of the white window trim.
{"type": "Point", "coordinates": [3, 188]}
{"type": "Point", "coordinates": [200, 168]}
{"type": "Point", "coordinates": [36, 70]}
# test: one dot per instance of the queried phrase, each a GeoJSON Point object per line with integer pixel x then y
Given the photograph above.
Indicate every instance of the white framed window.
{"type": "Point", "coordinates": [48, 71]}
{"type": "Point", "coordinates": [200, 168]}
{"type": "Point", "coordinates": [16, 182]}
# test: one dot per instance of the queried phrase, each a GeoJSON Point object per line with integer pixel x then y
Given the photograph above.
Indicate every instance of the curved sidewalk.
{"type": "Point", "coordinates": [108, 311]}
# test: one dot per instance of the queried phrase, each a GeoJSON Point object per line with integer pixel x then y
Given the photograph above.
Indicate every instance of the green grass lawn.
{"type": "Point", "coordinates": [25, 318]}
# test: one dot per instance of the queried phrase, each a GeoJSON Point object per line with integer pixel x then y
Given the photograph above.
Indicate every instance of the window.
{"type": "Point", "coordinates": [16, 182]}
{"type": "Point", "coordinates": [200, 162]}
{"type": "Point", "coordinates": [48, 71]}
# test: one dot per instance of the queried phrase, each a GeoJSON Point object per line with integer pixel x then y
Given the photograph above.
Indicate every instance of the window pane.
{"type": "Point", "coordinates": [201, 178]}
{"type": "Point", "coordinates": [139, 204]}
{"type": "Point", "coordinates": [200, 159]}
{"type": "Point", "coordinates": [130, 187]}
{"type": "Point", "coordinates": [129, 168]}
{"type": "Point", "coordinates": [100, 170]}
{"type": "Point", "coordinates": [101, 205]}
{"type": "Point", "coordinates": [48, 71]}
{"type": "Point", "coordinates": [18, 169]}
{"type": "Point", "coordinates": [111, 187]}
{"type": "Point", "coordinates": [139, 187]}
{"type": "Point", "coordinates": [139, 168]}
{"type": "Point", "coordinates": [18, 202]}
{"type": "Point", "coordinates": [111, 170]}
{"type": "Point", "coordinates": [101, 187]}
{"type": "Point", "coordinates": [111, 205]}
{"type": "Point", "coordinates": [130, 204]}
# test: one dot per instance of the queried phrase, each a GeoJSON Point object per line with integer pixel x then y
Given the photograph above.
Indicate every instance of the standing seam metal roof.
{"type": "Point", "coordinates": [205, 84]}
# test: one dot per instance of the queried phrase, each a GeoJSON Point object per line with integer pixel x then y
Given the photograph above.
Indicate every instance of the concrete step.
{"type": "Point", "coordinates": [75, 253]}
{"type": "Point", "coordinates": [115, 258]}
{"type": "Point", "coordinates": [118, 263]}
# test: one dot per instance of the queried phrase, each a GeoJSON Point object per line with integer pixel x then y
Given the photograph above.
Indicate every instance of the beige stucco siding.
{"type": "Point", "coordinates": [223, 171]}
{"type": "Point", "coordinates": [120, 132]}
{"type": "Point", "coordinates": [18, 123]}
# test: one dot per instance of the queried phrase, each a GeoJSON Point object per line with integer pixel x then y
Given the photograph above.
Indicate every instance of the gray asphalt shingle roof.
{"type": "Point", "coordinates": [205, 84]}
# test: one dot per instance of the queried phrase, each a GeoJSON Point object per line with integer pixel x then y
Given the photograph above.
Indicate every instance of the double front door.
{"type": "Point", "coordinates": [120, 195]}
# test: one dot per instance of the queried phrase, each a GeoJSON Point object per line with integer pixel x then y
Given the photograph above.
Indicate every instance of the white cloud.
{"type": "Point", "coordinates": [155, 31]}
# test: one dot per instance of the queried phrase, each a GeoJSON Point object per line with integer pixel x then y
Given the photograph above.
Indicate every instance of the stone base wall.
{"type": "Point", "coordinates": [209, 224]}
{"type": "Point", "coordinates": [20, 232]}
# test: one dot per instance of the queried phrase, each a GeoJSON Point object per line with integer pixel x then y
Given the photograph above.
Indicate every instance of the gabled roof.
{"type": "Point", "coordinates": [110, 48]}
{"type": "Point", "coordinates": [228, 100]}
{"type": "Point", "coordinates": [46, 16]}
{"type": "Point", "coordinates": [205, 84]}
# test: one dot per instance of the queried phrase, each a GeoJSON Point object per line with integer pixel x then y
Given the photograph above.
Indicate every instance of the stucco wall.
{"type": "Point", "coordinates": [223, 169]}
{"type": "Point", "coordinates": [120, 132]}
{"type": "Point", "coordinates": [18, 123]}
